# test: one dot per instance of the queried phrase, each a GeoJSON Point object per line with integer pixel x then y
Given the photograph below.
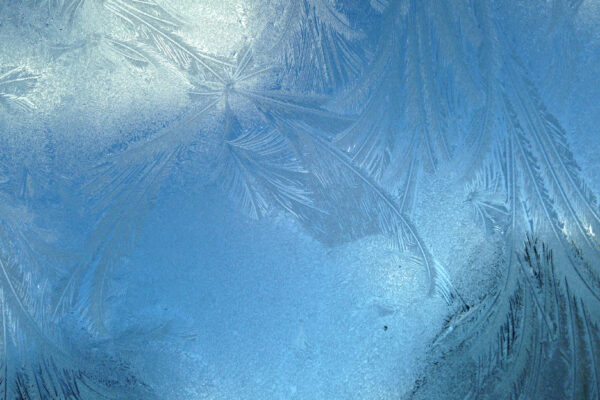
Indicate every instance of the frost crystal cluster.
{"type": "Point", "coordinates": [307, 199]}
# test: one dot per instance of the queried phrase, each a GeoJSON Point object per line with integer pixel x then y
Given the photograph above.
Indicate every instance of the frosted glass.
{"type": "Point", "coordinates": [308, 199]}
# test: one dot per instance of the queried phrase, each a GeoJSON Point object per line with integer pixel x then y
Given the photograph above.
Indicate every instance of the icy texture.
{"type": "Point", "coordinates": [311, 199]}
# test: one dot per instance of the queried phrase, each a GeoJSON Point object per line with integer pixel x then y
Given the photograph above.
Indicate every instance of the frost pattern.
{"type": "Point", "coordinates": [15, 85]}
{"type": "Point", "coordinates": [342, 117]}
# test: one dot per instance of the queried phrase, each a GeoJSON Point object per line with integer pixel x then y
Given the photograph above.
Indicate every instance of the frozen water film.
{"type": "Point", "coordinates": [307, 199]}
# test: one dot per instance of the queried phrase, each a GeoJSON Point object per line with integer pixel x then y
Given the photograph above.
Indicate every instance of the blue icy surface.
{"type": "Point", "coordinates": [311, 199]}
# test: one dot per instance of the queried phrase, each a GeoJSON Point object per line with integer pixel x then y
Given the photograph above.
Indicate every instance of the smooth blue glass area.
{"type": "Point", "coordinates": [307, 199]}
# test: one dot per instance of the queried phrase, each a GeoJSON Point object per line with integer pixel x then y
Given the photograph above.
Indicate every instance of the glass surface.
{"type": "Point", "coordinates": [307, 199]}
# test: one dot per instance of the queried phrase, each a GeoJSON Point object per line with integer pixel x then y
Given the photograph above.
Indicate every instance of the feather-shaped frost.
{"type": "Point", "coordinates": [15, 87]}
{"type": "Point", "coordinates": [38, 359]}
{"type": "Point", "coordinates": [411, 95]}
{"type": "Point", "coordinates": [259, 168]}
{"type": "Point", "coordinates": [531, 329]}
{"type": "Point", "coordinates": [361, 206]}
{"type": "Point", "coordinates": [318, 45]}
{"type": "Point", "coordinates": [543, 342]}
{"type": "Point", "coordinates": [158, 28]}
